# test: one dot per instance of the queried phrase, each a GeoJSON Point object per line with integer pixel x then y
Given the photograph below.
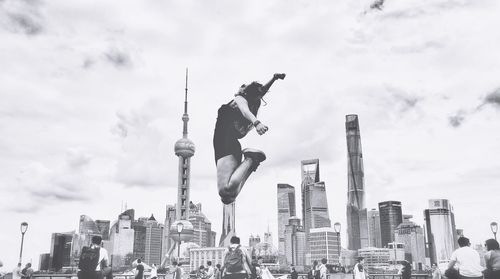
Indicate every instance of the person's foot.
{"type": "Point", "coordinates": [256, 155]}
{"type": "Point", "coordinates": [227, 200]}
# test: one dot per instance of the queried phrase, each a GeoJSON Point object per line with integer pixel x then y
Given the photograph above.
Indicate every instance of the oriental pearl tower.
{"type": "Point", "coordinates": [182, 229]}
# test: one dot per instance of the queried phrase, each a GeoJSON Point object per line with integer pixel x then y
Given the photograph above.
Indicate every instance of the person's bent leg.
{"type": "Point", "coordinates": [226, 166]}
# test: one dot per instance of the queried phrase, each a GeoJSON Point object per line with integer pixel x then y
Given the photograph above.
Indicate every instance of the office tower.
{"type": "Point", "coordinates": [412, 235]}
{"type": "Point", "coordinates": [154, 235]}
{"type": "Point", "coordinates": [373, 217]}
{"type": "Point", "coordinates": [253, 240]}
{"type": "Point", "coordinates": [60, 250]}
{"type": "Point", "coordinates": [441, 230]}
{"type": "Point", "coordinates": [103, 227]}
{"type": "Point", "coordinates": [121, 244]}
{"type": "Point", "coordinates": [295, 243]}
{"type": "Point", "coordinates": [314, 203]}
{"type": "Point", "coordinates": [323, 243]}
{"type": "Point", "coordinates": [357, 223]}
{"type": "Point", "coordinates": [390, 217]}
{"type": "Point", "coordinates": [286, 209]}
{"type": "Point", "coordinates": [44, 263]}
{"type": "Point", "coordinates": [139, 227]}
{"type": "Point", "coordinates": [203, 234]}
{"type": "Point", "coordinates": [396, 252]}
{"type": "Point", "coordinates": [184, 149]}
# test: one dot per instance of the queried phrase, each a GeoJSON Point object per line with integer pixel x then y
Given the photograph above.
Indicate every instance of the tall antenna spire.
{"type": "Point", "coordinates": [185, 116]}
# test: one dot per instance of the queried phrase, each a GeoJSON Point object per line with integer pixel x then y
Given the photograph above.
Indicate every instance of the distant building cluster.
{"type": "Point", "coordinates": [383, 236]}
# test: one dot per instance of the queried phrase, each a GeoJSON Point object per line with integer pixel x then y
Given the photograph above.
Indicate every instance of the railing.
{"type": "Point", "coordinates": [73, 276]}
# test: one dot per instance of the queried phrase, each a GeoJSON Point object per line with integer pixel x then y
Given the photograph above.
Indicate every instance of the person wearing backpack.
{"type": "Point", "coordinates": [92, 259]}
{"type": "Point", "coordinates": [236, 261]}
{"type": "Point", "coordinates": [27, 271]}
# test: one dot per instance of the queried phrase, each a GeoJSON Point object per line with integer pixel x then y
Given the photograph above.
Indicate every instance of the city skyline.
{"type": "Point", "coordinates": [91, 108]}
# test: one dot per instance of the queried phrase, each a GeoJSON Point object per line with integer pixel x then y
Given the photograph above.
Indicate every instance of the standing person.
{"type": "Point", "coordinates": [406, 270]}
{"type": "Point", "coordinates": [236, 261]}
{"type": "Point", "coordinates": [436, 273]}
{"type": "Point", "coordinates": [154, 272]}
{"type": "Point", "coordinates": [359, 270]}
{"type": "Point", "coordinates": [294, 274]}
{"type": "Point", "coordinates": [210, 270]}
{"type": "Point", "coordinates": [467, 259]}
{"type": "Point", "coordinates": [234, 120]}
{"type": "Point", "coordinates": [218, 273]}
{"type": "Point", "coordinates": [201, 273]}
{"type": "Point", "coordinates": [16, 273]}
{"type": "Point", "coordinates": [492, 259]}
{"type": "Point", "coordinates": [27, 271]}
{"type": "Point", "coordinates": [139, 270]}
{"type": "Point", "coordinates": [314, 272]}
{"type": "Point", "coordinates": [92, 258]}
{"type": "Point", "coordinates": [177, 270]}
{"type": "Point", "coordinates": [323, 269]}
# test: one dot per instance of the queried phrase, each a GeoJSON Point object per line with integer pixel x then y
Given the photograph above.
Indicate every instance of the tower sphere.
{"type": "Point", "coordinates": [184, 148]}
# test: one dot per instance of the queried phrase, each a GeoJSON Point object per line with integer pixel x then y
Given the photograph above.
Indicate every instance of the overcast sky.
{"type": "Point", "coordinates": [92, 97]}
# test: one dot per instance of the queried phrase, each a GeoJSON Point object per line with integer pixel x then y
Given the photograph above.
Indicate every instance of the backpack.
{"type": "Point", "coordinates": [89, 259]}
{"type": "Point", "coordinates": [233, 262]}
{"type": "Point", "coordinates": [317, 274]}
{"type": "Point", "coordinates": [23, 273]}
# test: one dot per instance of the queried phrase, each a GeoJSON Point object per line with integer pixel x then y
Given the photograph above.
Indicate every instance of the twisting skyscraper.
{"type": "Point", "coordinates": [357, 224]}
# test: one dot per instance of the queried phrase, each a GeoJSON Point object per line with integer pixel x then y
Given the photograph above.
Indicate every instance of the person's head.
{"type": "Point", "coordinates": [96, 240]}
{"type": "Point", "coordinates": [28, 265]}
{"type": "Point", "coordinates": [491, 244]}
{"type": "Point", "coordinates": [361, 260]}
{"type": "Point", "coordinates": [434, 265]}
{"type": "Point", "coordinates": [153, 265]}
{"type": "Point", "coordinates": [209, 263]}
{"type": "Point", "coordinates": [254, 90]}
{"type": "Point", "coordinates": [174, 263]}
{"type": "Point", "coordinates": [201, 268]}
{"type": "Point", "coordinates": [218, 266]}
{"type": "Point", "coordinates": [139, 261]}
{"type": "Point", "coordinates": [19, 265]}
{"type": "Point", "coordinates": [463, 241]}
{"type": "Point", "coordinates": [235, 240]}
{"type": "Point", "coordinates": [260, 259]}
{"type": "Point", "coordinates": [293, 269]}
{"type": "Point", "coordinates": [323, 260]}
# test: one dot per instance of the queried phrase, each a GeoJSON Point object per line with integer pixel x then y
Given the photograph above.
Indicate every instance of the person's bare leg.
{"type": "Point", "coordinates": [230, 179]}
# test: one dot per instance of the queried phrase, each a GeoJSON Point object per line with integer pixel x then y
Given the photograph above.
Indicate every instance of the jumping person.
{"type": "Point", "coordinates": [234, 120]}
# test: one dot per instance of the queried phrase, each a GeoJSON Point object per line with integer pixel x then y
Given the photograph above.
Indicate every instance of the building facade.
{"type": "Point", "coordinates": [154, 236]}
{"type": "Point", "coordinates": [103, 227]}
{"type": "Point", "coordinates": [203, 234]}
{"type": "Point", "coordinates": [60, 251]}
{"type": "Point", "coordinates": [441, 230]}
{"type": "Point", "coordinates": [373, 218]}
{"type": "Point", "coordinates": [390, 217]}
{"type": "Point", "coordinates": [286, 209]}
{"type": "Point", "coordinates": [412, 235]}
{"type": "Point", "coordinates": [375, 258]}
{"type": "Point", "coordinates": [121, 244]}
{"type": "Point", "coordinates": [357, 223]}
{"type": "Point", "coordinates": [295, 243]}
{"type": "Point", "coordinates": [200, 256]}
{"type": "Point", "coordinates": [324, 243]}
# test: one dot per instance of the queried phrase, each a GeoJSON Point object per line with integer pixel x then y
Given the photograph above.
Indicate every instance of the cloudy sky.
{"type": "Point", "coordinates": [92, 96]}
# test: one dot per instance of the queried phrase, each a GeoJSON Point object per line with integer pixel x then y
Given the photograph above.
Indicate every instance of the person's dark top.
{"type": "Point", "coordinates": [140, 272]}
{"type": "Point", "coordinates": [294, 274]}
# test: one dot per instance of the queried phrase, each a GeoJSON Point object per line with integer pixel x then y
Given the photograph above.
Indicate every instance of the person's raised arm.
{"type": "Point", "coordinates": [268, 85]}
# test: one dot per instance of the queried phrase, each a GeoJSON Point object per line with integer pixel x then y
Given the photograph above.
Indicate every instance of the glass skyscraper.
{"type": "Point", "coordinates": [441, 230]}
{"type": "Point", "coordinates": [391, 216]}
{"type": "Point", "coordinates": [286, 209]}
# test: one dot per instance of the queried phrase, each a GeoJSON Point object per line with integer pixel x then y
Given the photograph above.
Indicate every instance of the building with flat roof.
{"type": "Point", "coordinates": [390, 217]}
{"type": "Point", "coordinates": [323, 243]}
{"type": "Point", "coordinates": [441, 230]}
{"type": "Point", "coordinates": [286, 209]}
{"type": "Point", "coordinates": [375, 258]}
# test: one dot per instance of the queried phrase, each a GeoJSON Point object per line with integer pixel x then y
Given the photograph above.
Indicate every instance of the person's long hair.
{"type": "Point", "coordinates": [492, 244]}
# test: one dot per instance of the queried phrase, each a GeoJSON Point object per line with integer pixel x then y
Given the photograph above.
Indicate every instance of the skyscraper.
{"type": "Point", "coordinates": [390, 217]}
{"type": "Point", "coordinates": [139, 227]}
{"type": "Point", "coordinates": [374, 228]}
{"type": "Point", "coordinates": [154, 235]}
{"type": "Point", "coordinates": [202, 234]}
{"type": "Point", "coordinates": [323, 244]}
{"type": "Point", "coordinates": [60, 250]}
{"type": "Point", "coordinates": [103, 227]}
{"type": "Point", "coordinates": [184, 149]}
{"type": "Point", "coordinates": [412, 235]}
{"type": "Point", "coordinates": [295, 243]}
{"type": "Point", "coordinates": [314, 202]}
{"type": "Point", "coordinates": [357, 223]}
{"type": "Point", "coordinates": [441, 230]}
{"type": "Point", "coordinates": [286, 209]}
{"type": "Point", "coordinates": [122, 240]}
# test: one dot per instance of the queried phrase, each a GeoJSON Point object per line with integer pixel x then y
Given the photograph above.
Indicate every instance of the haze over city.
{"type": "Point", "coordinates": [92, 98]}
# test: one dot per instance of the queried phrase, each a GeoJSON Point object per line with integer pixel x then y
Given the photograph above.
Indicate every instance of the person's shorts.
{"type": "Point", "coordinates": [225, 139]}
